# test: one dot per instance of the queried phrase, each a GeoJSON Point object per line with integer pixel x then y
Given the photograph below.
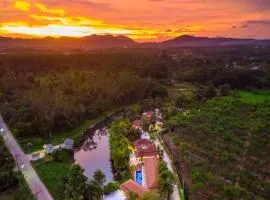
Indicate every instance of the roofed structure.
{"type": "Point", "coordinates": [137, 124]}
{"type": "Point", "coordinates": [48, 148]}
{"type": "Point", "coordinates": [68, 144]}
{"type": "Point", "coordinates": [151, 172]}
{"type": "Point", "coordinates": [148, 115]}
{"type": "Point", "coordinates": [144, 148]}
{"type": "Point", "coordinates": [132, 186]}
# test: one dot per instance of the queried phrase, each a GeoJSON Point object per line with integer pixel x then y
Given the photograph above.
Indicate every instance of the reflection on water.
{"type": "Point", "coordinates": [95, 154]}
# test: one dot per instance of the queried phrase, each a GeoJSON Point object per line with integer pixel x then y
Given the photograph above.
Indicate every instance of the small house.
{"type": "Point", "coordinates": [68, 144]}
{"type": "Point", "coordinates": [48, 148]}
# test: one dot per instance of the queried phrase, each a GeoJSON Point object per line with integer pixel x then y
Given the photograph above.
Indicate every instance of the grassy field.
{"type": "Point", "coordinates": [181, 88]}
{"type": "Point", "coordinates": [255, 97]}
{"type": "Point", "coordinates": [225, 144]}
{"type": "Point", "coordinates": [51, 173]}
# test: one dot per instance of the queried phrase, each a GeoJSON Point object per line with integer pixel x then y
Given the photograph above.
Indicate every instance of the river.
{"type": "Point", "coordinates": [94, 153]}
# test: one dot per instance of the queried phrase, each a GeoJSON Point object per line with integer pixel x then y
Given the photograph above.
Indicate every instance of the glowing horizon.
{"type": "Point", "coordinates": [143, 20]}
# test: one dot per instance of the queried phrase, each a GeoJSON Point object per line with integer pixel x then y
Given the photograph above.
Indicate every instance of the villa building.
{"type": "Point", "coordinates": [144, 148]}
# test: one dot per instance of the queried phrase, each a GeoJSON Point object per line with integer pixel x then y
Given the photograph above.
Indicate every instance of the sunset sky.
{"type": "Point", "coordinates": [142, 20]}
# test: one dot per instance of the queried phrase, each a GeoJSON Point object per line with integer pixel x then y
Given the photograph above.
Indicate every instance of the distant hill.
{"type": "Point", "coordinates": [191, 41]}
{"type": "Point", "coordinates": [110, 41]}
{"type": "Point", "coordinates": [89, 42]}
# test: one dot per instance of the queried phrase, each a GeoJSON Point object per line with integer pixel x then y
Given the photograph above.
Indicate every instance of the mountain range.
{"type": "Point", "coordinates": [110, 41]}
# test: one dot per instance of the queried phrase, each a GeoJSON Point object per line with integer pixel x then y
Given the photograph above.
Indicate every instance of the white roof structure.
{"type": "Point", "coordinates": [118, 195]}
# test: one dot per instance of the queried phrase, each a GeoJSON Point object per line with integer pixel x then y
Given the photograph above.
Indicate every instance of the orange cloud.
{"type": "Point", "coordinates": [22, 5]}
{"type": "Point", "coordinates": [142, 20]}
{"type": "Point", "coordinates": [44, 9]}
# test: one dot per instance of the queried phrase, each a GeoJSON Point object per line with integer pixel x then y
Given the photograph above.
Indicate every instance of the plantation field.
{"type": "Point", "coordinates": [225, 143]}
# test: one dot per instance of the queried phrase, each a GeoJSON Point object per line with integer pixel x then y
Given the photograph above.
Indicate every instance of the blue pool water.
{"type": "Point", "coordinates": [138, 177]}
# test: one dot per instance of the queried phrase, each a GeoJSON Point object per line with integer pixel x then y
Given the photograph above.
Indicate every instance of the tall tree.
{"type": "Point", "coordinates": [76, 185]}
{"type": "Point", "coordinates": [96, 185]}
{"type": "Point", "coordinates": [166, 180]}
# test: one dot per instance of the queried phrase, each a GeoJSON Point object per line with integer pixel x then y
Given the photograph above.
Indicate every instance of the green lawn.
{"type": "Point", "coordinates": [255, 97]}
{"type": "Point", "coordinates": [51, 173]}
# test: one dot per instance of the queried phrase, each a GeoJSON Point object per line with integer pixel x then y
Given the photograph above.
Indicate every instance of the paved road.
{"type": "Point", "coordinates": [31, 177]}
{"type": "Point", "coordinates": [175, 195]}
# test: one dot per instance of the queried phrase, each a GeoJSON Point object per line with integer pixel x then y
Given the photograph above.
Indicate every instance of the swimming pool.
{"type": "Point", "coordinates": [138, 177]}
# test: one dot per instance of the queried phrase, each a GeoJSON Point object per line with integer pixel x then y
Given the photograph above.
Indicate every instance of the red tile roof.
{"type": "Point", "coordinates": [151, 172]}
{"type": "Point", "coordinates": [35, 154]}
{"type": "Point", "coordinates": [137, 123]}
{"type": "Point", "coordinates": [148, 115]}
{"type": "Point", "coordinates": [145, 148]}
{"type": "Point", "coordinates": [132, 186]}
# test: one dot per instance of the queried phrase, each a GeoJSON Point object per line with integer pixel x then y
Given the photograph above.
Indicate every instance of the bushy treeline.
{"type": "Point", "coordinates": [239, 67]}
{"type": "Point", "coordinates": [119, 146]}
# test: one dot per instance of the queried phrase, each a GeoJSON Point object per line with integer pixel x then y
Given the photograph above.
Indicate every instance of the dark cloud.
{"type": "Point", "coordinates": [258, 22]}
{"type": "Point", "coordinates": [259, 4]}
{"type": "Point", "coordinates": [244, 26]}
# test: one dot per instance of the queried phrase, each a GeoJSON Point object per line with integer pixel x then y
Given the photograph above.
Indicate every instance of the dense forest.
{"type": "Point", "coordinates": [48, 94]}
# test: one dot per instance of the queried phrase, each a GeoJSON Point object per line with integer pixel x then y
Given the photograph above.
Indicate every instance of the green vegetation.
{"type": "Point", "coordinates": [44, 99]}
{"type": "Point", "coordinates": [111, 187]}
{"type": "Point", "coordinates": [166, 180]}
{"type": "Point", "coordinates": [225, 143]}
{"type": "Point", "coordinates": [52, 169]}
{"type": "Point", "coordinates": [152, 195]}
{"type": "Point", "coordinates": [75, 186]}
{"type": "Point", "coordinates": [255, 97]}
{"type": "Point", "coordinates": [8, 177]}
{"type": "Point", "coordinates": [119, 149]}
{"type": "Point", "coordinates": [24, 191]}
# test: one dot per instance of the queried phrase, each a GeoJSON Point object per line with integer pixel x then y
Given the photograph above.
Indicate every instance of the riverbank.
{"type": "Point", "coordinates": [77, 134]}
{"type": "Point", "coordinates": [52, 171]}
